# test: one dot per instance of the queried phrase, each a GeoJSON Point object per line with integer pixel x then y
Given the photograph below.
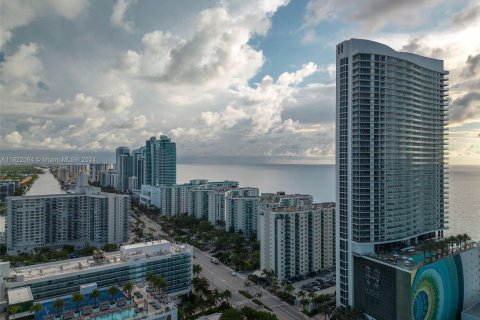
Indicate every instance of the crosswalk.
{"type": "Point", "coordinates": [239, 303]}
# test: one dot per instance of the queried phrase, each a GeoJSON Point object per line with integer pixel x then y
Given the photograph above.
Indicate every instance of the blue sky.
{"type": "Point", "coordinates": [246, 79]}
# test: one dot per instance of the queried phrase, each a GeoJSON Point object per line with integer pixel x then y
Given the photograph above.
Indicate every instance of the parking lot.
{"type": "Point", "coordinates": [319, 284]}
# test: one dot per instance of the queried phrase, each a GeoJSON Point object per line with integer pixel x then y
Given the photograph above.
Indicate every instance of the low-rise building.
{"type": "Point", "coordinates": [46, 282]}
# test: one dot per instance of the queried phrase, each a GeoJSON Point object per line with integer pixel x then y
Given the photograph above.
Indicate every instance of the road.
{"type": "Point", "coordinates": [220, 277]}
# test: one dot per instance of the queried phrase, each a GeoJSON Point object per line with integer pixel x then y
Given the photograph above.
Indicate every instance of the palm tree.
{"type": "Point", "coordinates": [58, 304]}
{"type": "Point", "coordinates": [216, 296]}
{"type": "Point", "coordinates": [246, 284]}
{"type": "Point", "coordinates": [289, 288]}
{"type": "Point", "coordinates": [36, 307]}
{"type": "Point", "coordinates": [196, 269]}
{"type": "Point", "coordinates": [160, 283]}
{"type": "Point", "coordinates": [128, 287]}
{"type": "Point", "coordinates": [301, 294]}
{"type": "Point", "coordinates": [77, 298]}
{"type": "Point", "coordinates": [466, 238]}
{"type": "Point", "coordinates": [304, 302]}
{"type": "Point", "coordinates": [14, 309]}
{"type": "Point", "coordinates": [227, 294]}
{"type": "Point", "coordinates": [112, 291]}
{"type": "Point", "coordinates": [95, 294]}
{"type": "Point", "coordinates": [321, 300]}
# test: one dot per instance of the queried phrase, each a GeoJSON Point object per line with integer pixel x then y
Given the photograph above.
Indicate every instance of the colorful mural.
{"type": "Point", "coordinates": [437, 290]}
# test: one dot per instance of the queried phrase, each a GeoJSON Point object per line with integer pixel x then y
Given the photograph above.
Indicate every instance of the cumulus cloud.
{"type": "Point", "coordinates": [21, 72]}
{"type": "Point", "coordinates": [472, 67]}
{"type": "Point", "coordinates": [217, 54]}
{"type": "Point", "coordinates": [117, 19]}
{"type": "Point", "coordinates": [16, 13]}
{"type": "Point", "coordinates": [116, 103]}
{"type": "Point", "coordinates": [466, 108]}
{"type": "Point", "coordinates": [13, 138]}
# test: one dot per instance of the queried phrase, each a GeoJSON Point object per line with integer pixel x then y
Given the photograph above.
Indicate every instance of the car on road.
{"type": "Point", "coordinates": [233, 273]}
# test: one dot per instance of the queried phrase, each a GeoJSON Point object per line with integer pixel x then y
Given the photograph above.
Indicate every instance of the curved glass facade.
{"type": "Point", "coordinates": [392, 176]}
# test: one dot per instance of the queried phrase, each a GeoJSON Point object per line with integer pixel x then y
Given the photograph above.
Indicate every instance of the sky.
{"type": "Point", "coordinates": [224, 79]}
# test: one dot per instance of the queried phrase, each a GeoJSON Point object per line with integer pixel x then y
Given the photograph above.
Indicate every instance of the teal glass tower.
{"type": "Point", "coordinates": [391, 157]}
{"type": "Point", "coordinates": [160, 162]}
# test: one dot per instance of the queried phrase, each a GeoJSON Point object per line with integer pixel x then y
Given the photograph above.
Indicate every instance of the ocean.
{"type": "Point", "coordinates": [318, 181]}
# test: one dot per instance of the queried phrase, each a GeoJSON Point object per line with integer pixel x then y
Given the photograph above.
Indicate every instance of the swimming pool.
{"type": "Point", "coordinates": [118, 315]}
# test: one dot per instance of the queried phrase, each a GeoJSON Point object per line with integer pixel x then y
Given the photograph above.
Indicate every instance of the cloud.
{"type": "Point", "coordinates": [465, 108]}
{"type": "Point", "coordinates": [16, 13]}
{"type": "Point", "coordinates": [21, 72]}
{"type": "Point", "coordinates": [117, 19]}
{"type": "Point", "coordinates": [116, 103]}
{"type": "Point", "coordinates": [472, 66]}
{"type": "Point", "coordinates": [369, 14]}
{"type": "Point", "coordinates": [13, 138]}
{"type": "Point", "coordinates": [468, 15]}
{"type": "Point", "coordinates": [217, 54]}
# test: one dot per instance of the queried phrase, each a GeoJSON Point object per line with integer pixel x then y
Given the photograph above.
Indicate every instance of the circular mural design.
{"type": "Point", "coordinates": [435, 291]}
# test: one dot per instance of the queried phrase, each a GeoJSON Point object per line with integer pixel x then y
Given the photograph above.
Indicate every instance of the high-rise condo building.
{"type": "Point", "coordinates": [138, 162]}
{"type": "Point", "coordinates": [160, 162]}
{"type": "Point", "coordinates": [295, 236]}
{"type": "Point", "coordinates": [91, 218]}
{"type": "Point", "coordinates": [123, 166]}
{"type": "Point", "coordinates": [241, 210]}
{"type": "Point", "coordinates": [391, 155]}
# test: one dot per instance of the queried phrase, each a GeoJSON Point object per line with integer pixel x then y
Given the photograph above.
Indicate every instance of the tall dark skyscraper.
{"type": "Point", "coordinates": [123, 167]}
{"type": "Point", "coordinates": [390, 154]}
{"type": "Point", "coordinates": [160, 162]}
{"type": "Point", "coordinates": [138, 163]}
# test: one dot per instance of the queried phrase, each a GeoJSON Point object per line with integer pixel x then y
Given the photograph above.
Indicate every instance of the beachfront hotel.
{"type": "Point", "coordinates": [49, 281]}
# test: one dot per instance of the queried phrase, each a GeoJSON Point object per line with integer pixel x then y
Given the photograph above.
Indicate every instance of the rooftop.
{"type": "Point", "coordinates": [413, 257]}
{"type": "Point", "coordinates": [146, 250]}
{"type": "Point", "coordinates": [19, 295]}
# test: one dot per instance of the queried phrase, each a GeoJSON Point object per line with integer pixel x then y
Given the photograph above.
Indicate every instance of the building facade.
{"type": "Point", "coordinates": [8, 188]}
{"type": "Point", "coordinates": [132, 263]}
{"type": "Point", "coordinates": [241, 210]}
{"type": "Point", "coordinates": [95, 169]}
{"type": "Point", "coordinates": [291, 239]}
{"type": "Point", "coordinates": [94, 218]}
{"type": "Point", "coordinates": [391, 117]}
{"type": "Point", "coordinates": [138, 164]}
{"type": "Point", "coordinates": [160, 162]}
{"type": "Point", "coordinates": [123, 167]}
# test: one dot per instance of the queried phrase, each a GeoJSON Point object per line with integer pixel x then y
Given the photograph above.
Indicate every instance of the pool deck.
{"type": "Point", "coordinates": [415, 257]}
{"type": "Point", "coordinates": [145, 303]}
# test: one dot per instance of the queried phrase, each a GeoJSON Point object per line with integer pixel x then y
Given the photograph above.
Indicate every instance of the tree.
{"type": "Point", "coordinates": [231, 314]}
{"type": "Point", "coordinates": [112, 291]}
{"type": "Point", "coordinates": [95, 294]}
{"type": "Point", "coordinates": [14, 309]}
{"type": "Point", "coordinates": [196, 269]}
{"type": "Point", "coordinates": [77, 298]}
{"type": "Point", "coordinates": [58, 304]}
{"type": "Point", "coordinates": [304, 302]}
{"type": "Point", "coordinates": [246, 284]}
{"type": "Point", "coordinates": [128, 287]}
{"type": "Point", "coordinates": [227, 294]}
{"type": "Point", "coordinates": [321, 300]}
{"type": "Point", "coordinates": [36, 307]}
